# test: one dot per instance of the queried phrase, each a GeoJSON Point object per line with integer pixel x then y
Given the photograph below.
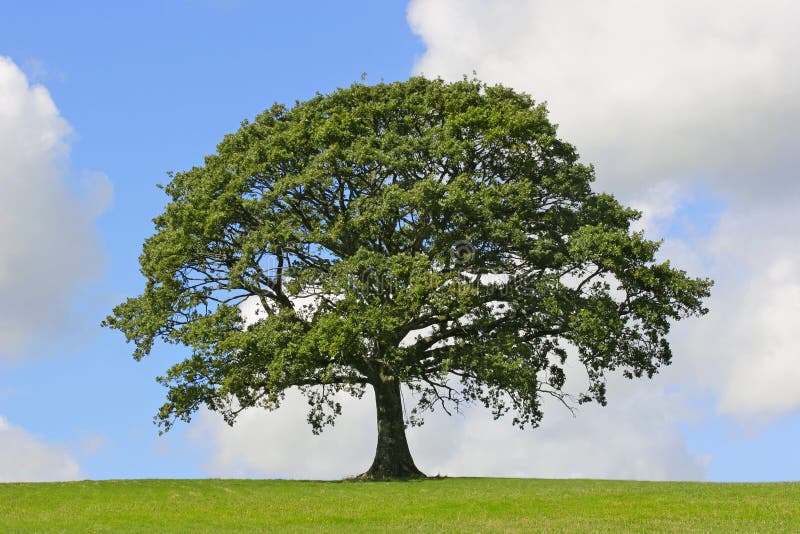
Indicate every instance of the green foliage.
{"type": "Point", "coordinates": [442, 234]}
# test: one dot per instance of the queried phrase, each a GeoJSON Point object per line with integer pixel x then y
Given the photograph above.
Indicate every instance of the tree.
{"type": "Point", "coordinates": [421, 233]}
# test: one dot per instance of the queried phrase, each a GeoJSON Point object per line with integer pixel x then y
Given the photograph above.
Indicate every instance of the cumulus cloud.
{"type": "Point", "coordinates": [635, 437]}
{"type": "Point", "coordinates": [48, 242]}
{"type": "Point", "coordinates": [646, 90]}
{"type": "Point", "coordinates": [746, 350]}
{"type": "Point", "coordinates": [623, 440]}
{"type": "Point", "coordinates": [279, 444]}
{"type": "Point", "coordinates": [24, 458]}
{"type": "Point", "coordinates": [671, 98]}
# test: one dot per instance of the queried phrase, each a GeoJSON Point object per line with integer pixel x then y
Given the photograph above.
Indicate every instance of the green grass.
{"type": "Point", "coordinates": [439, 505]}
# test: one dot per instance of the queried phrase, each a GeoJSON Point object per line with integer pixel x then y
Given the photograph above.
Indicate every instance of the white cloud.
{"type": "Point", "coordinates": [746, 350]}
{"type": "Point", "coordinates": [658, 205]}
{"type": "Point", "coordinates": [280, 443]}
{"type": "Point", "coordinates": [48, 242]}
{"type": "Point", "coordinates": [24, 458]}
{"type": "Point", "coordinates": [633, 438]}
{"type": "Point", "coordinates": [670, 98]}
{"type": "Point", "coordinates": [646, 90]}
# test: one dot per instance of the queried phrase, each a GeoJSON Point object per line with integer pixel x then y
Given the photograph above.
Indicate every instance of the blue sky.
{"type": "Point", "coordinates": [151, 87]}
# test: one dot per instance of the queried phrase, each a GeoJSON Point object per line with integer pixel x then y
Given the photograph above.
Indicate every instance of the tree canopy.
{"type": "Point", "coordinates": [421, 233]}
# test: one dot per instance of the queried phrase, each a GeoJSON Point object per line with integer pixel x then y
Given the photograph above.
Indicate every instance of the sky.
{"type": "Point", "coordinates": [688, 110]}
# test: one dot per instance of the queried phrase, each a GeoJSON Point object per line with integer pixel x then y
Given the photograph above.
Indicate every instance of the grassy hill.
{"type": "Point", "coordinates": [440, 505]}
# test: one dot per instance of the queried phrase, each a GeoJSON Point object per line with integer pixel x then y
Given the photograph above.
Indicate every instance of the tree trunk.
{"type": "Point", "coordinates": [392, 457]}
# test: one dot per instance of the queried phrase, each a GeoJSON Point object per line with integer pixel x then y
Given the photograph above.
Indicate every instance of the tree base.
{"type": "Point", "coordinates": [370, 476]}
{"type": "Point", "coordinates": [390, 467]}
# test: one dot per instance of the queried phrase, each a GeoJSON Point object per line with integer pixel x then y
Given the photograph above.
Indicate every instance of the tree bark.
{"type": "Point", "coordinates": [392, 456]}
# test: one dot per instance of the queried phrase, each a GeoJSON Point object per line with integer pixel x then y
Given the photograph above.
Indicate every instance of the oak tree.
{"type": "Point", "coordinates": [431, 235]}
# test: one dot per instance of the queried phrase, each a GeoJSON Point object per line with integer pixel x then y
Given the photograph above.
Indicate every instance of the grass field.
{"type": "Point", "coordinates": [439, 505]}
